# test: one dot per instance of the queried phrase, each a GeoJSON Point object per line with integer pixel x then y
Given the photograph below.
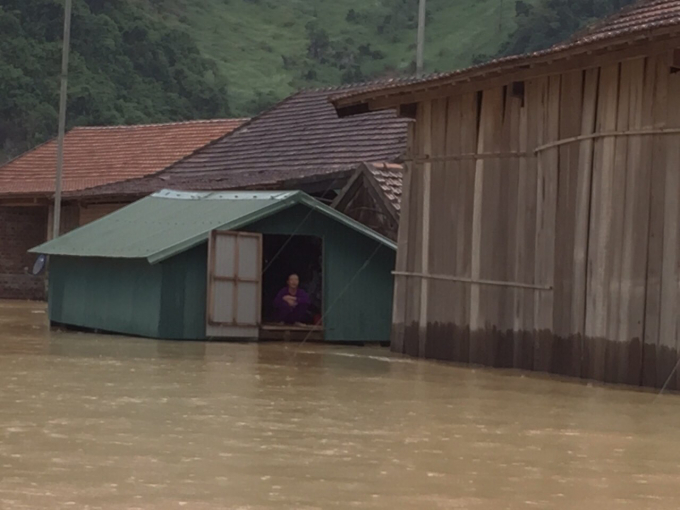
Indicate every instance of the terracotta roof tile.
{"type": "Point", "coordinates": [300, 138]}
{"type": "Point", "coordinates": [100, 155]}
{"type": "Point", "coordinates": [640, 19]}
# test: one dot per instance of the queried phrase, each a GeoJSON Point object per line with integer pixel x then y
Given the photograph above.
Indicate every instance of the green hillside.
{"type": "Point", "coordinates": [269, 48]}
{"type": "Point", "coordinates": [137, 61]}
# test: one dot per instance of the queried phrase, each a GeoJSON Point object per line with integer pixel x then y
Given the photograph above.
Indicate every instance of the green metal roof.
{"type": "Point", "coordinates": [170, 222]}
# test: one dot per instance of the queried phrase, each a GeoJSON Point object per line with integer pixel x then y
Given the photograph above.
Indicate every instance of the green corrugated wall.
{"type": "Point", "coordinates": [118, 295]}
{"type": "Point", "coordinates": [183, 295]}
{"type": "Point", "coordinates": [167, 300]}
{"type": "Point", "coordinates": [363, 313]}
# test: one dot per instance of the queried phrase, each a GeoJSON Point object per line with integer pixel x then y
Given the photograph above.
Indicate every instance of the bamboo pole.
{"type": "Point", "coordinates": [474, 281]}
{"type": "Point", "coordinates": [607, 134]}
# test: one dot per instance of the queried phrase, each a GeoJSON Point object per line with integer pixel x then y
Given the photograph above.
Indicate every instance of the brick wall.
{"type": "Point", "coordinates": [24, 227]}
{"type": "Point", "coordinates": [21, 228]}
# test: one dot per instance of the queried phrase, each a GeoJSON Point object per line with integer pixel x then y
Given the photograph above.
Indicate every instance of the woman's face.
{"type": "Point", "coordinates": [293, 281]}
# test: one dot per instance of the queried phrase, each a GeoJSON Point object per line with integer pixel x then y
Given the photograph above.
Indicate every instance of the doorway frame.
{"type": "Point", "coordinates": [230, 328]}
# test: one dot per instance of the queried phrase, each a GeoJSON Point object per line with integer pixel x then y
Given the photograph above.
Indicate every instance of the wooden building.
{"type": "Point", "coordinates": [197, 265]}
{"type": "Point", "coordinates": [540, 223]}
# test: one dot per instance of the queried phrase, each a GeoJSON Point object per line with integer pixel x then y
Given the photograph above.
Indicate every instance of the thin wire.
{"type": "Point", "coordinates": [342, 293]}
{"type": "Point", "coordinates": [290, 237]}
{"type": "Point", "coordinates": [665, 385]}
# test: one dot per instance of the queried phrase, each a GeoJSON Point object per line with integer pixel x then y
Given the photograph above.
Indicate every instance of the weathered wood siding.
{"type": "Point", "coordinates": [582, 237]}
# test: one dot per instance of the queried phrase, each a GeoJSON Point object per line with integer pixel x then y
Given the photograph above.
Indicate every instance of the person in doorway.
{"type": "Point", "coordinates": [291, 303]}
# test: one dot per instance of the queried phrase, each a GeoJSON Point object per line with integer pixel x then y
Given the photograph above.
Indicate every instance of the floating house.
{"type": "Point", "coordinates": [540, 224]}
{"type": "Point", "coordinates": [308, 148]}
{"type": "Point", "coordinates": [197, 265]}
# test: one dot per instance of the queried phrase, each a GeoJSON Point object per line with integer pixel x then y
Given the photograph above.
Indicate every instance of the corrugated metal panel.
{"type": "Point", "coordinates": [170, 222]}
{"type": "Point", "coordinates": [121, 296]}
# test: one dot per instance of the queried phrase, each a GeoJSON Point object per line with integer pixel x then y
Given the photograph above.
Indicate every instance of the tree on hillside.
{"type": "Point", "coordinates": [553, 21]}
{"type": "Point", "coordinates": [125, 68]}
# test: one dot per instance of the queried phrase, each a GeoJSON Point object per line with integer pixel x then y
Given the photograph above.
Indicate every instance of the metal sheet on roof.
{"type": "Point", "coordinates": [170, 222]}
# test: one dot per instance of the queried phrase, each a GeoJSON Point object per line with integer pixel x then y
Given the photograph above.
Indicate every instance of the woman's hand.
{"type": "Point", "coordinates": [291, 300]}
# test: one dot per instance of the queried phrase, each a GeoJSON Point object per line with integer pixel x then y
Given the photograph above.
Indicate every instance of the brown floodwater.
{"type": "Point", "coordinates": [109, 422]}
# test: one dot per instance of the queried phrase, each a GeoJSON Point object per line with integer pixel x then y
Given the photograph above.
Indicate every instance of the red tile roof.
{"type": "Point", "coordinates": [297, 140]}
{"type": "Point", "coordinates": [645, 19]}
{"type": "Point", "coordinates": [94, 156]}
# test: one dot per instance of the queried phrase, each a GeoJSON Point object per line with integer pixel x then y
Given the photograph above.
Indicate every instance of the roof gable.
{"type": "Point", "coordinates": [170, 222]}
{"type": "Point", "coordinates": [99, 155]}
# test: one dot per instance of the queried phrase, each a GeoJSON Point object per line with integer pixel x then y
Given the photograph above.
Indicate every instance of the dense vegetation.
{"type": "Point", "coordinates": [138, 61]}
{"type": "Point", "coordinates": [126, 67]}
{"type": "Point", "coordinates": [552, 21]}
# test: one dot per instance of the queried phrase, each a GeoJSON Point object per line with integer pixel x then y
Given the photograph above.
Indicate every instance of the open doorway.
{"type": "Point", "coordinates": [284, 255]}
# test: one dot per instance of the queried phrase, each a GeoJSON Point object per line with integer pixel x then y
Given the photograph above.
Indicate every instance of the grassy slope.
{"type": "Point", "coordinates": [249, 38]}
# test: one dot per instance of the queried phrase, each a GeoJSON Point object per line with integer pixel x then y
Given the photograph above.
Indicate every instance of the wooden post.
{"type": "Point", "coordinates": [426, 127]}
{"type": "Point", "coordinates": [62, 117]}
{"type": "Point", "coordinates": [420, 49]}
{"type": "Point", "coordinates": [400, 283]}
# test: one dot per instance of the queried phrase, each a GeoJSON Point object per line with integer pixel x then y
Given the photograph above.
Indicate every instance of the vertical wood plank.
{"type": "Point", "coordinates": [546, 209]}
{"type": "Point", "coordinates": [583, 207]}
{"type": "Point", "coordinates": [400, 283]}
{"type": "Point", "coordinates": [468, 144]}
{"type": "Point", "coordinates": [484, 301]}
{"type": "Point", "coordinates": [636, 221]}
{"type": "Point", "coordinates": [457, 190]}
{"type": "Point", "coordinates": [439, 336]}
{"type": "Point", "coordinates": [599, 269]}
{"type": "Point", "coordinates": [667, 353]}
{"type": "Point", "coordinates": [567, 349]}
{"type": "Point", "coordinates": [523, 355]}
{"type": "Point", "coordinates": [414, 253]}
{"type": "Point", "coordinates": [657, 86]}
{"type": "Point", "coordinates": [617, 353]}
{"type": "Point", "coordinates": [507, 251]}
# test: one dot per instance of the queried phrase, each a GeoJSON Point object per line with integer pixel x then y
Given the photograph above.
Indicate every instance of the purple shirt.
{"type": "Point", "coordinates": [291, 314]}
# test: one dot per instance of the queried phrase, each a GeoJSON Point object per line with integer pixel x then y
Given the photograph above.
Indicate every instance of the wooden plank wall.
{"type": "Point", "coordinates": [596, 219]}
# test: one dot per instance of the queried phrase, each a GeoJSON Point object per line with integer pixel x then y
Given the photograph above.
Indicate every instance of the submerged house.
{"type": "Point", "coordinates": [93, 157]}
{"type": "Point", "coordinates": [540, 224]}
{"type": "Point", "coordinates": [197, 265]}
{"type": "Point", "coordinates": [299, 143]}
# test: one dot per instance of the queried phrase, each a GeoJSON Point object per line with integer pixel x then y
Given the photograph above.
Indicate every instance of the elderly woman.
{"type": "Point", "coordinates": [291, 303]}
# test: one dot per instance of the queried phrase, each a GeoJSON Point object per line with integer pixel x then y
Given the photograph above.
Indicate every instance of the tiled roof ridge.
{"type": "Point", "coordinates": [160, 124]}
{"type": "Point", "coordinates": [607, 20]}
{"type": "Point", "coordinates": [357, 85]}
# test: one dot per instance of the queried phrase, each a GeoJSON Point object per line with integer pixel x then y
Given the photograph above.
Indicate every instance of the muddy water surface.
{"type": "Point", "coordinates": [104, 422]}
